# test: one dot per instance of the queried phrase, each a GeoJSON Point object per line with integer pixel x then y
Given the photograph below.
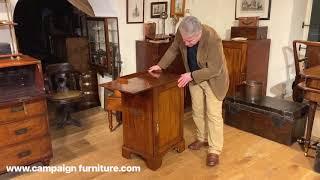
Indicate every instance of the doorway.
{"type": "Point", "coordinates": [53, 32]}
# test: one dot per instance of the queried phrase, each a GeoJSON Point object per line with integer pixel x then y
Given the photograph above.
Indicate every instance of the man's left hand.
{"type": "Point", "coordinates": [184, 79]}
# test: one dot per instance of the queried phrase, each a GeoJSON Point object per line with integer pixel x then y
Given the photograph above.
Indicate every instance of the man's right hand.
{"type": "Point", "coordinates": [154, 68]}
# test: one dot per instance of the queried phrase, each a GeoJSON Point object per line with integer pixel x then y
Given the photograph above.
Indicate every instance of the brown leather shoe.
{"type": "Point", "coordinates": [212, 159]}
{"type": "Point", "coordinates": [196, 145]}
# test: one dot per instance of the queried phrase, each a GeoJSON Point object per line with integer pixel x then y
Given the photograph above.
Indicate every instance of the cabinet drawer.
{"type": "Point", "coordinates": [25, 153]}
{"type": "Point", "coordinates": [22, 110]}
{"type": "Point", "coordinates": [20, 131]}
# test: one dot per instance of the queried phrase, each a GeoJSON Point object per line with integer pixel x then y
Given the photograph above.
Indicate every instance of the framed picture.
{"type": "Point", "coordinates": [177, 8]}
{"type": "Point", "coordinates": [135, 11]}
{"type": "Point", "coordinates": [157, 8]}
{"type": "Point", "coordinates": [249, 8]}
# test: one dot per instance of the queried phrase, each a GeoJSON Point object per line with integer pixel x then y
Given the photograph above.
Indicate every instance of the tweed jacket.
{"type": "Point", "coordinates": [210, 59]}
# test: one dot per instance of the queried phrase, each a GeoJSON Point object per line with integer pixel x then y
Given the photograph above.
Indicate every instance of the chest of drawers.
{"type": "Point", "coordinates": [24, 123]}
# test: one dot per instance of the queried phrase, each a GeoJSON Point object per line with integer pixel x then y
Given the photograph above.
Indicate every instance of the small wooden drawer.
{"type": "Point", "coordinates": [22, 110]}
{"type": "Point", "coordinates": [25, 153]}
{"type": "Point", "coordinates": [21, 131]}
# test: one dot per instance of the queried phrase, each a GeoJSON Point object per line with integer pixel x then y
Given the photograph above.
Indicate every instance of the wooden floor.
{"type": "Point", "coordinates": [245, 156]}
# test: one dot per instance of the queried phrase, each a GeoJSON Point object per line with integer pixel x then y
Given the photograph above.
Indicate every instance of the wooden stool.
{"type": "Point", "coordinates": [113, 104]}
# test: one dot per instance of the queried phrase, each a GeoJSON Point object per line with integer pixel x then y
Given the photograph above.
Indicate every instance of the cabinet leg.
{"type": "Point", "coordinates": [180, 146]}
{"type": "Point", "coordinates": [110, 120]}
{"type": "Point", "coordinates": [154, 164]}
{"type": "Point", "coordinates": [126, 153]}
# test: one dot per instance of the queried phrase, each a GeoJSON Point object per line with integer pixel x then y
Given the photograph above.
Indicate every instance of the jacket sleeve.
{"type": "Point", "coordinates": [215, 62]}
{"type": "Point", "coordinates": [171, 53]}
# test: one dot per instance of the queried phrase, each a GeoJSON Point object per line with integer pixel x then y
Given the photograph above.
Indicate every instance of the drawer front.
{"type": "Point", "coordinates": [22, 110]}
{"type": "Point", "coordinates": [26, 153]}
{"type": "Point", "coordinates": [21, 131]}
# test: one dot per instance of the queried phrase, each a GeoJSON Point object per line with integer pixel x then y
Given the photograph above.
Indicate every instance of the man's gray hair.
{"type": "Point", "coordinates": [190, 25]}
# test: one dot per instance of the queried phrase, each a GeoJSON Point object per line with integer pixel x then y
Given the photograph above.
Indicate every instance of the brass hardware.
{"type": "Point", "coordinates": [24, 154]}
{"type": "Point", "coordinates": [21, 131]}
{"type": "Point", "coordinates": [157, 128]}
{"type": "Point", "coordinates": [17, 108]}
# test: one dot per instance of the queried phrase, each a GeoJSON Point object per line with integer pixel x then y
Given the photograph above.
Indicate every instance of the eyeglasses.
{"type": "Point", "coordinates": [191, 40]}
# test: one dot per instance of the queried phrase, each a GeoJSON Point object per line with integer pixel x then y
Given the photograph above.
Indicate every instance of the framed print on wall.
{"type": "Point", "coordinates": [157, 8]}
{"type": "Point", "coordinates": [177, 8]}
{"type": "Point", "coordinates": [249, 8]}
{"type": "Point", "coordinates": [135, 11]}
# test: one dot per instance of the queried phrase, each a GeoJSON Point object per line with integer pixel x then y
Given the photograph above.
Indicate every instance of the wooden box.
{"type": "Point", "coordinates": [251, 33]}
{"type": "Point", "coordinates": [275, 119]}
{"type": "Point", "coordinates": [24, 123]}
{"type": "Point", "coordinates": [153, 111]}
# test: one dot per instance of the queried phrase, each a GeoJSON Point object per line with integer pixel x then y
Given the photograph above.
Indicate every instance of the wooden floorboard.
{"type": "Point", "coordinates": [245, 156]}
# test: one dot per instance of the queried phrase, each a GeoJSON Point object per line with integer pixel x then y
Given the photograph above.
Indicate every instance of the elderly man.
{"type": "Point", "coordinates": [208, 79]}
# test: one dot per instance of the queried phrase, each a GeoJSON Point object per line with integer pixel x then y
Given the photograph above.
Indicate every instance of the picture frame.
{"type": "Point", "coordinates": [177, 8]}
{"type": "Point", "coordinates": [251, 8]}
{"type": "Point", "coordinates": [157, 8]}
{"type": "Point", "coordinates": [135, 11]}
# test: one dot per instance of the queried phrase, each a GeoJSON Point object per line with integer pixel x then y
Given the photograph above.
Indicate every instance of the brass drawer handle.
{"type": "Point", "coordinates": [24, 154]}
{"type": "Point", "coordinates": [17, 108]}
{"type": "Point", "coordinates": [21, 131]}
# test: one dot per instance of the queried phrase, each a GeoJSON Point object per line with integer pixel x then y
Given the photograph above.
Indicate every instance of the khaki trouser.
{"type": "Point", "coordinates": [207, 115]}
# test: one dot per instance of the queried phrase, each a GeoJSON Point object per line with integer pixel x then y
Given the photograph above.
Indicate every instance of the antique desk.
{"type": "Point", "coordinates": [24, 126]}
{"type": "Point", "coordinates": [152, 115]}
{"type": "Point", "coordinates": [311, 92]}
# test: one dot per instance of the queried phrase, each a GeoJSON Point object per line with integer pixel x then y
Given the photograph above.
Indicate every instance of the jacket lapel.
{"type": "Point", "coordinates": [202, 48]}
{"type": "Point", "coordinates": [184, 56]}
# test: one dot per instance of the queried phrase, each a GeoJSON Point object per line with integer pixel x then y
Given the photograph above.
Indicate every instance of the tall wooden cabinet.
{"type": "Point", "coordinates": [247, 60]}
{"type": "Point", "coordinates": [24, 130]}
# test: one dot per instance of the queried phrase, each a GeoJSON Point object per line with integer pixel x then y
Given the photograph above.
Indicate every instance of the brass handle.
{"type": "Point", "coordinates": [17, 108]}
{"type": "Point", "coordinates": [24, 154]}
{"type": "Point", "coordinates": [21, 131]}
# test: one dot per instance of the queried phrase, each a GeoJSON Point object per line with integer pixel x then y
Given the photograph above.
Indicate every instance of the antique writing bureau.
{"type": "Point", "coordinates": [23, 114]}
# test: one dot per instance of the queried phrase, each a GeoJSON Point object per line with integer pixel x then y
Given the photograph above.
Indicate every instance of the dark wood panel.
{"type": "Point", "coordinates": [236, 56]}
{"type": "Point", "coordinates": [247, 60]}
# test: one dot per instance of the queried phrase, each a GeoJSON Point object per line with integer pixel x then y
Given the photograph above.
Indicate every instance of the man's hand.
{"type": "Point", "coordinates": [155, 74]}
{"type": "Point", "coordinates": [184, 79]}
{"type": "Point", "coordinates": [154, 68]}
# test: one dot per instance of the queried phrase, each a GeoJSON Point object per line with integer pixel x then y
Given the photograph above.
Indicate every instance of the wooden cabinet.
{"type": "Point", "coordinates": [24, 125]}
{"type": "Point", "coordinates": [152, 115]}
{"type": "Point", "coordinates": [247, 60]}
{"type": "Point", "coordinates": [150, 53]}
{"type": "Point", "coordinates": [73, 50]}
{"type": "Point", "coordinates": [104, 47]}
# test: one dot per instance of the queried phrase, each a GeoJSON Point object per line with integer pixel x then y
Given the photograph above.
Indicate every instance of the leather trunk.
{"type": "Point", "coordinates": [272, 118]}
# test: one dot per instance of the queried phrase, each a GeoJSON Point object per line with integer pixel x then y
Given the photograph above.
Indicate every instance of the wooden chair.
{"type": "Point", "coordinates": [64, 91]}
{"type": "Point", "coordinates": [306, 55]}
{"type": "Point", "coordinates": [113, 106]}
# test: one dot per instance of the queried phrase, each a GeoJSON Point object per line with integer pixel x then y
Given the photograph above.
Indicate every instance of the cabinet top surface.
{"type": "Point", "coordinates": [139, 82]}
{"type": "Point", "coordinates": [24, 60]}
